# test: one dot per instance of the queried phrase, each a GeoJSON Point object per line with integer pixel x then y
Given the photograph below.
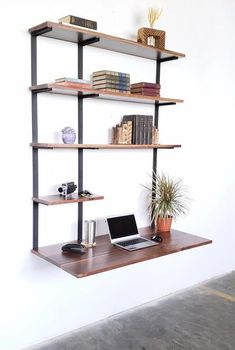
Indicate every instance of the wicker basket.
{"type": "Point", "coordinates": [144, 34]}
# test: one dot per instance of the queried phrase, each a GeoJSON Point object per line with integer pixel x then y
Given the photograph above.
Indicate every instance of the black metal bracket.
{"type": "Point", "coordinates": [88, 41]}
{"type": "Point", "coordinates": [88, 96]}
{"type": "Point", "coordinates": [168, 59]}
{"type": "Point", "coordinates": [41, 31]}
{"type": "Point", "coordinates": [166, 103]}
{"type": "Point", "coordinates": [41, 90]}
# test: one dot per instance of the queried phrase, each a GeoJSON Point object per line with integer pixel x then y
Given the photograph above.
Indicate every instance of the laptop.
{"type": "Point", "coordinates": [123, 233]}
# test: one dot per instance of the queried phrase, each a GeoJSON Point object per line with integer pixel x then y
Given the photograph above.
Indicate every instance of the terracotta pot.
{"type": "Point", "coordinates": [163, 224]}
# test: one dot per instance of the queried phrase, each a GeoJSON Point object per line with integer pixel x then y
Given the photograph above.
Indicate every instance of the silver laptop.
{"type": "Point", "coordinates": [123, 233]}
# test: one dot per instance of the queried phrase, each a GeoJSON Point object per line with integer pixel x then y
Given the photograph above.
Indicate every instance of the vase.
{"type": "Point", "coordinates": [163, 224]}
{"type": "Point", "coordinates": [68, 137]}
{"type": "Point", "coordinates": [151, 37]}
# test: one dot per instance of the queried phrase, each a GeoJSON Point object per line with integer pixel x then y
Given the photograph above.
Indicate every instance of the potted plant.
{"type": "Point", "coordinates": [168, 200]}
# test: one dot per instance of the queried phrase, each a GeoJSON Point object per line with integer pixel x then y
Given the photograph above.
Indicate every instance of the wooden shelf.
{"type": "Point", "coordinates": [105, 257]}
{"type": "Point", "coordinates": [72, 89]}
{"type": "Point", "coordinates": [57, 199]}
{"type": "Point", "coordinates": [100, 146]}
{"type": "Point", "coordinates": [76, 35]}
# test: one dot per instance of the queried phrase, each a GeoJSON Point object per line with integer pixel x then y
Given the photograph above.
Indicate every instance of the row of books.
{"type": "Point", "coordinates": [146, 89]}
{"type": "Point", "coordinates": [111, 81]}
{"type": "Point", "coordinates": [79, 21]}
{"type": "Point", "coordinates": [135, 129]}
{"type": "Point", "coordinates": [78, 83]}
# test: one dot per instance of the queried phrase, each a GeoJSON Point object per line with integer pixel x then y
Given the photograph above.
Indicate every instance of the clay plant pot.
{"type": "Point", "coordinates": [163, 224]}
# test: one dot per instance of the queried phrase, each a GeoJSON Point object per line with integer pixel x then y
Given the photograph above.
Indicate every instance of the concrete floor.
{"type": "Point", "coordinates": [198, 318]}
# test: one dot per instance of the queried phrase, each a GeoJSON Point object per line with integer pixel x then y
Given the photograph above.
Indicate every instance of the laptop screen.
{"type": "Point", "coordinates": [122, 226]}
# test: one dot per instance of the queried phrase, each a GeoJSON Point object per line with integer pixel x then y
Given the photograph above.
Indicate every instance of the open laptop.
{"type": "Point", "coordinates": [123, 233]}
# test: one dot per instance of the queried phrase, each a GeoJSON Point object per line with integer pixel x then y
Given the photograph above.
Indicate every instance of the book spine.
{"type": "Point", "coordinates": [111, 77]}
{"type": "Point", "coordinates": [149, 125]}
{"type": "Point", "coordinates": [146, 85]}
{"type": "Point", "coordinates": [142, 130]}
{"type": "Point", "coordinates": [112, 73]}
{"type": "Point", "coordinates": [111, 86]}
{"type": "Point", "coordinates": [111, 82]}
{"type": "Point", "coordinates": [82, 22]}
{"type": "Point", "coordinates": [132, 119]}
{"type": "Point", "coordinates": [145, 93]}
{"type": "Point", "coordinates": [145, 90]}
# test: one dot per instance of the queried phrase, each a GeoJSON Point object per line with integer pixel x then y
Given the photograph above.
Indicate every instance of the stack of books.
{"type": "Point", "coordinates": [135, 129]}
{"type": "Point", "coordinates": [147, 89]}
{"type": "Point", "coordinates": [111, 81]}
{"type": "Point", "coordinates": [78, 21]}
{"type": "Point", "coordinates": [74, 82]}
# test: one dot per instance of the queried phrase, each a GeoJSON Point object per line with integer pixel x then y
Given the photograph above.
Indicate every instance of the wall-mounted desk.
{"type": "Point", "coordinates": [105, 257]}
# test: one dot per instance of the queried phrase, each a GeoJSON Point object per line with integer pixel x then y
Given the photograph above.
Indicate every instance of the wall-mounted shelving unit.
{"type": "Point", "coordinates": [103, 257]}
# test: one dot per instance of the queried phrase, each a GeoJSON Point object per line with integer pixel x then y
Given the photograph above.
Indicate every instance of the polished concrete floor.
{"type": "Point", "coordinates": [202, 318]}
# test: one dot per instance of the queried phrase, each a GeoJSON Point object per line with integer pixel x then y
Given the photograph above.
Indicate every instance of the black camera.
{"type": "Point", "coordinates": [67, 188]}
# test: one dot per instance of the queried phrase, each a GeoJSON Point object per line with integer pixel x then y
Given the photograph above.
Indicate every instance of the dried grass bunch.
{"type": "Point", "coordinates": [153, 15]}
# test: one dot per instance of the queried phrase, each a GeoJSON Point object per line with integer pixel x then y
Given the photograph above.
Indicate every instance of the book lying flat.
{"type": "Point", "coordinates": [145, 91]}
{"type": "Point", "coordinates": [78, 21]}
{"type": "Point", "coordinates": [74, 80]}
{"type": "Point", "coordinates": [114, 90]}
{"type": "Point", "coordinates": [108, 72]}
{"type": "Point", "coordinates": [112, 82]}
{"type": "Point", "coordinates": [111, 77]}
{"type": "Point", "coordinates": [146, 85]}
{"type": "Point", "coordinates": [112, 86]}
{"type": "Point", "coordinates": [73, 85]}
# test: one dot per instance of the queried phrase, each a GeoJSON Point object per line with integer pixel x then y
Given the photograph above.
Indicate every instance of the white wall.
{"type": "Point", "coordinates": [39, 301]}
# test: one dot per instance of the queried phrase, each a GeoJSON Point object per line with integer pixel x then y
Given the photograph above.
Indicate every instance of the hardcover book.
{"type": "Point", "coordinates": [111, 77]}
{"type": "Point", "coordinates": [145, 92]}
{"type": "Point", "coordinates": [111, 81]}
{"type": "Point", "coordinates": [73, 85]}
{"type": "Point", "coordinates": [146, 85]}
{"type": "Point", "coordinates": [74, 80]}
{"type": "Point", "coordinates": [113, 73]}
{"type": "Point", "coordinates": [114, 90]}
{"type": "Point", "coordinates": [78, 21]}
{"type": "Point", "coordinates": [111, 86]}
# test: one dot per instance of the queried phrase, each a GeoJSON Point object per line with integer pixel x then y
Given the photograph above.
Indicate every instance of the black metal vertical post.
{"type": "Point", "coordinates": [156, 113]}
{"type": "Point", "coordinates": [80, 140]}
{"type": "Point", "coordinates": [34, 138]}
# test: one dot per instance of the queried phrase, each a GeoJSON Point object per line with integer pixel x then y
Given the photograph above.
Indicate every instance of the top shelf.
{"type": "Point", "coordinates": [76, 34]}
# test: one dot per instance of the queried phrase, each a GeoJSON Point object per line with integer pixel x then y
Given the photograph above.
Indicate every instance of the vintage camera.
{"type": "Point", "coordinates": [66, 189]}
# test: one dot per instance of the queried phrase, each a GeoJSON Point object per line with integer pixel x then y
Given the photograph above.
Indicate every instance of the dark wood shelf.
{"type": "Point", "coordinates": [76, 34]}
{"type": "Point", "coordinates": [99, 146]}
{"type": "Point", "coordinates": [72, 89]}
{"type": "Point", "coordinates": [57, 199]}
{"type": "Point", "coordinates": [105, 257]}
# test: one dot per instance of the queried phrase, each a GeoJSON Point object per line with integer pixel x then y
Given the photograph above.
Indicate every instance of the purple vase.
{"type": "Point", "coordinates": [68, 137]}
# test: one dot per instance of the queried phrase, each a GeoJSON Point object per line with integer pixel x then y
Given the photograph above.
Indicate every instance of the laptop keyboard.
{"type": "Point", "coordinates": [132, 241]}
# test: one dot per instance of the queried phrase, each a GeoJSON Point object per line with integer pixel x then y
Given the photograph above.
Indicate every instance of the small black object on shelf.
{"type": "Point", "coordinates": [74, 248]}
{"type": "Point", "coordinates": [156, 238]}
{"type": "Point", "coordinates": [85, 193]}
{"type": "Point", "coordinates": [66, 189]}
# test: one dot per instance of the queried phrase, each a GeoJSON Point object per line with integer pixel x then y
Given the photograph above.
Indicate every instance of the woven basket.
{"type": "Point", "coordinates": [159, 36]}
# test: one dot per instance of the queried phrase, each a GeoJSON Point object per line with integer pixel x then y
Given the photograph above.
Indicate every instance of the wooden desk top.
{"type": "Point", "coordinates": [105, 257]}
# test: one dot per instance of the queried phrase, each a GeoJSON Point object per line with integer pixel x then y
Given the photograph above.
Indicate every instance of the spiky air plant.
{"type": "Point", "coordinates": [168, 197]}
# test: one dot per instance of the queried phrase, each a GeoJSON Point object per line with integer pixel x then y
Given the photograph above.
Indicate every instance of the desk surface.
{"type": "Point", "coordinates": [105, 257]}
